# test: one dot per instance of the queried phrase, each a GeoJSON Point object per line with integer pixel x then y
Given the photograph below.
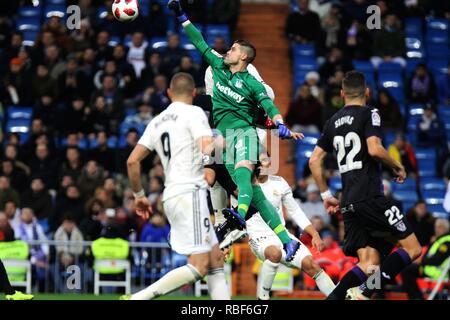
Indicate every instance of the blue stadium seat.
{"type": "Point", "coordinates": [388, 139]}
{"type": "Point", "coordinates": [437, 37]}
{"type": "Point", "coordinates": [434, 197]}
{"type": "Point", "coordinates": [310, 139]}
{"type": "Point", "coordinates": [92, 142]}
{"type": "Point", "coordinates": [144, 8]}
{"type": "Point", "coordinates": [425, 154]}
{"type": "Point", "coordinates": [409, 185]}
{"type": "Point", "coordinates": [112, 142]}
{"type": "Point", "coordinates": [304, 151]}
{"type": "Point", "coordinates": [158, 43]}
{"type": "Point", "coordinates": [102, 12]}
{"type": "Point", "coordinates": [19, 113]}
{"type": "Point", "coordinates": [300, 165]}
{"type": "Point", "coordinates": [427, 168]}
{"type": "Point", "coordinates": [59, 10]}
{"type": "Point", "coordinates": [397, 92]}
{"type": "Point", "coordinates": [28, 24]}
{"type": "Point", "coordinates": [447, 123]}
{"type": "Point", "coordinates": [438, 67]}
{"type": "Point", "coordinates": [438, 211]}
{"type": "Point", "coordinates": [18, 125]}
{"type": "Point", "coordinates": [414, 48]}
{"type": "Point", "coordinates": [82, 143]}
{"type": "Point", "coordinates": [335, 183]}
{"type": "Point", "coordinates": [29, 37]}
{"type": "Point", "coordinates": [30, 12]}
{"type": "Point", "coordinates": [56, 2]}
{"type": "Point", "coordinates": [124, 127]}
{"type": "Point", "coordinates": [437, 51]}
{"type": "Point", "coordinates": [433, 184]}
{"type": "Point", "coordinates": [217, 30]}
{"type": "Point", "coordinates": [303, 50]}
{"type": "Point", "coordinates": [390, 68]}
{"type": "Point", "coordinates": [413, 26]}
{"type": "Point", "coordinates": [408, 196]}
{"type": "Point", "coordinates": [363, 66]}
{"type": "Point", "coordinates": [408, 205]}
{"type": "Point", "coordinates": [437, 24]}
{"type": "Point", "coordinates": [114, 41]}
{"type": "Point", "coordinates": [411, 65]}
{"type": "Point", "coordinates": [305, 64]}
{"type": "Point", "coordinates": [444, 111]}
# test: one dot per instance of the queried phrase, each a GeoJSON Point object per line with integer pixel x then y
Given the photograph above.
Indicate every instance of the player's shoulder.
{"type": "Point", "coordinates": [278, 179]}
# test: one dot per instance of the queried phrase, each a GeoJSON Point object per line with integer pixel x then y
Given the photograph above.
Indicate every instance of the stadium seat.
{"type": "Point", "coordinates": [28, 23]}
{"type": "Point", "coordinates": [438, 67]}
{"type": "Point", "coordinates": [425, 154]}
{"type": "Point", "coordinates": [437, 51]}
{"type": "Point", "coordinates": [335, 183]}
{"type": "Point", "coordinates": [56, 2]}
{"type": "Point", "coordinates": [406, 196]}
{"type": "Point", "coordinates": [303, 50]}
{"type": "Point", "coordinates": [114, 41]}
{"type": "Point", "coordinates": [411, 65]}
{"type": "Point", "coordinates": [102, 12]}
{"type": "Point", "coordinates": [444, 111]}
{"type": "Point", "coordinates": [158, 43]}
{"type": "Point", "coordinates": [310, 139]}
{"type": "Point", "coordinates": [413, 26]}
{"type": "Point", "coordinates": [29, 37]}
{"type": "Point", "coordinates": [390, 68]}
{"type": "Point", "coordinates": [433, 184]}
{"type": "Point", "coordinates": [59, 10]}
{"type": "Point", "coordinates": [217, 30]}
{"type": "Point", "coordinates": [112, 142]}
{"type": "Point", "coordinates": [18, 125]}
{"type": "Point", "coordinates": [19, 113]}
{"type": "Point", "coordinates": [300, 166]}
{"type": "Point", "coordinates": [408, 186]}
{"type": "Point", "coordinates": [438, 211]}
{"type": "Point", "coordinates": [304, 150]}
{"type": "Point", "coordinates": [408, 205]}
{"type": "Point", "coordinates": [434, 197]}
{"type": "Point", "coordinates": [30, 12]}
{"type": "Point", "coordinates": [427, 168]}
{"type": "Point", "coordinates": [389, 138]}
{"type": "Point", "coordinates": [414, 48]}
{"type": "Point", "coordinates": [437, 24]}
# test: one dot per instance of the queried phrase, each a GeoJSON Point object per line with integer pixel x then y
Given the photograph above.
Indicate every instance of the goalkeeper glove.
{"type": "Point", "coordinates": [283, 131]}
{"type": "Point", "coordinates": [175, 6]}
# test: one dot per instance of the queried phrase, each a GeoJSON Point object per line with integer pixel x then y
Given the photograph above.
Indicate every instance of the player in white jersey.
{"type": "Point", "coordinates": [268, 248]}
{"type": "Point", "coordinates": [180, 134]}
{"type": "Point", "coordinates": [218, 194]}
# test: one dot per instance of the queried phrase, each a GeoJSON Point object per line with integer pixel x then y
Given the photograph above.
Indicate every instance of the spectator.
{"type": "Point", "coordinates": [54, 61]}
{"type": "Point", "coordinates": [70, 202]}
{"type": "Point", "coordinates": [44, 165]}
{"type": "Point", "coordinates": [421, 87]}
{"type": "Point", "coordinates": [154, 67]}
{"type": "Point", "coordinates": [156, 230]}
{"type": "Point", "coordinates": [443, 86]}
{"type": "Point", "coordinates": [111, 190]}
{"type": "Point", "coordinates": [389, 43]}
{"type": "Point", "coordinates": [10, 51]}
{"type": "Point", "coordinates": [402, 151]}
{"type": "Point", "coordinates": [73, 82]}
{"type": "Point", "coordinates": [103, 50]}
{"type": "Point", "coordinates": [44, 41]}
{"type": "Point", "coordinates": [358, 42]}
{"type": "Point", "coordinates": [225, 12]}
{"type": "Point", "coordinates": [432, 263]}
{"type": "Point", "coordinates": [125, 70]}
{"type": "Point", "coordinates": [55, 25]}
{"type": "Point", "coordinates": [303, 26]}
{"type": "Point", "coordinates": [92, 224]}
{"type": "Point", "coordinates": [305, 112]}
{"type": "Point", "coordinates": [172, 54]}
{"type": "Point", "coordinates": [69, 254]}
{"type": "Point", "coordinates": [72, 164]}
{"type": "Point", "coordinates": [123, 153]}
{"type": "Point", "coordinates": [43, 83]}
{"type": "Point", "coordinates": [112, 105]}
{"type": "Point", "coordinates": [331, 24]}
{"type": "Point", "coordinates": [143, 117]}
{"type": "Point", "coordinates": [188, 66]}
{"type": "Point", "coordinates": [156, 187]}
{"type": "Point", "coordinates": [157, 25]}
{"type": "Point", "coordinates": [12, 153]}
{"type": "Point", "coordinates": [137, 53]}
{"type": "Point", "coordinates": [103, 154]}
{"type": "Point", "coordinates": [312, 80]}
{"type": "Point", "coordinates": [107, 198]}
{"type": "Point", "coordinates": [27, 230]}
{"type": "Point", "coordinates": [357, 10]}
{"type": "Point", "coordinates": [422, 222]}
{"type": "Point", "coordinates": [82, 38]}
{"type": "Point", "coordinates": [334, 62]}
{"type": "Point", "coordinates": [17, 176]}
{"type": "Point", "coordinates": [38, 199]}
{"type": "Point", "coordinates": [391, 116]}
{"type": "Point", "coordinates": [12, 213]}
{"type": "Point", "coordinates": [6, 231]}
{"type": "Point", "coordinates": [88, 62]}
{"type": "Point", "coordinates": [313, 205]}
{"type": "Point", "coordinates": [430, 130]}
{"type": "Point", "coordinates": [158, 95]}
{"type": "Point", "coordinates": [333, 97]}
{"type": "Point", "coordinates": [7, 193]}
{"type": "Point", "coordinates": [46, 110]}
{"type": "Point", "coordinates": [76, 118]}
{"type": "Point", "coordinates": [17, 83]}
{"type": "Point", "coordinates": [91, 178]}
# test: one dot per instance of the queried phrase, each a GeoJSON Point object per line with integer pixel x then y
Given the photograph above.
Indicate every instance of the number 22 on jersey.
{"type": "Point", "coordinates": [340, 143]}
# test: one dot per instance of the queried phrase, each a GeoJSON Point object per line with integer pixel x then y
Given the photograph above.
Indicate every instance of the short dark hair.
{"type": "Point", "coordinates": [251, 50]}
{"type": "Point", "coordinates": [354, 84]}
{"type": "Point", "coordinates": [182, 84]}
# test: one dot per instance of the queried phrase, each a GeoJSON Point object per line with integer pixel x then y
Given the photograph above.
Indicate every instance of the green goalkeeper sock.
{"type": "Point", "coordinates": [269, 214]}
{"type": "Point", "coordinates": [243, 178]}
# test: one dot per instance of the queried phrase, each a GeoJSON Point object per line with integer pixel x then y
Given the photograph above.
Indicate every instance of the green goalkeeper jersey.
{"type": "Point", "coordinates": [235, 96]}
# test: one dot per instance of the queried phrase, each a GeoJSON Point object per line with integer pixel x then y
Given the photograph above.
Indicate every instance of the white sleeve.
{"type": "Point", "coordinates": [209, 83]}
{"type": "Point", "coordinates": [254, 72]}
{"type": "Point", "coordinates": [147, 138]}
{"type": "Point", "coordinates": [447, 199]}
{"type": "Point", "coordinates": [198, 124]}
{"type": "Point", "coordinates": [293, 209]}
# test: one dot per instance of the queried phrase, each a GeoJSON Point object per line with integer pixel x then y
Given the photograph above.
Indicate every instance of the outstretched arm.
{"type": "Point", "coordinates": [212, 58]}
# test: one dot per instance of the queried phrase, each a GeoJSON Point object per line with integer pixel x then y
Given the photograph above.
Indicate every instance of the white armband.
{"type": "Point", "coordinates": [139, 194]}
{"type": "Point", "coordinates": [325, 195]}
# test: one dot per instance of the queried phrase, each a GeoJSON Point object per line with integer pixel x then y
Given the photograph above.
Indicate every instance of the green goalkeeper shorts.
{"type": "Point", "coordinates": [242, 144]}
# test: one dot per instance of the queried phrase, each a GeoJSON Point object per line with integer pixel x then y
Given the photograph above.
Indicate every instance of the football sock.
{"type": "Point", "coordinates": [324, 282]}
{"type": "Point", "coordinates": [171, 281]}
{"type": "Point", "coordinates": [389, 269]}
{"type": "Point", "coordinates": [265, 280]}
{"type": "Point", "coordinates": [5, 285]}
{"type": "Point", "coordinates": [352, 278]}
{"type": "Point", "coordinates": [269, 214]}
{"type": "Point", "coordinates": [243, 177]}
{"type": "Point", "coordinates": [217, 286]}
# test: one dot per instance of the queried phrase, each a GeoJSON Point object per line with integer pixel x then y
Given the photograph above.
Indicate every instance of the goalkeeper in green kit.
{"type": "Point", "coordinates": [236, 94]}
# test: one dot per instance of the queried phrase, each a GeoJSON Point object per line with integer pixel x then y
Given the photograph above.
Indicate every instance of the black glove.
{"type": "Point", "coordinates": [175, 6]}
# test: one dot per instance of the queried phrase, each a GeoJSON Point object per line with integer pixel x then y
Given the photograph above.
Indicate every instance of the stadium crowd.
{"type": "Point", "coordinates": [93, 90]}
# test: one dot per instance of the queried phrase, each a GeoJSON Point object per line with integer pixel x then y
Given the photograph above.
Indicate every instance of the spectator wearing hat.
{"type": "Point", "coordinates": [421, 87]}
{"type": "Point", "coordinates": [313, 205]}
{"type": "Point", "coordinates": [17, 84]}
{"type": "Point", "coordinates": [312, 80]}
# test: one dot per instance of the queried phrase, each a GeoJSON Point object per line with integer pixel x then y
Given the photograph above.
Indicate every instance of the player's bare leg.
{"type": "Point", "coordinates": [391, 266]}
{"type": "Point", "coordinates": [196, 269]}
{"type": "Point", "coordinates": [217, 285]}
